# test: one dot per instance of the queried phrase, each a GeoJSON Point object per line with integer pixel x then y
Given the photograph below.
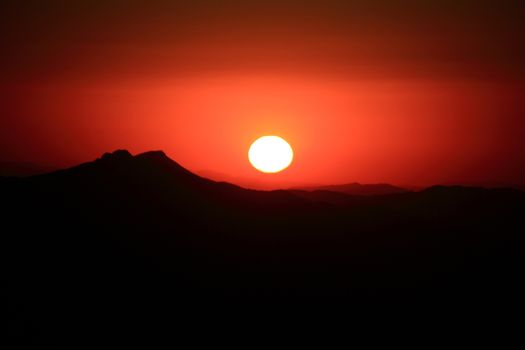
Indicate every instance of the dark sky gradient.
{"type": "Point", "coordinates": [411, 93]}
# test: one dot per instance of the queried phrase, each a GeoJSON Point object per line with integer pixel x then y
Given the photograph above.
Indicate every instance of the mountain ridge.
{"type": "Point", "coordinates": [140, 237]}
{"type": "Point", "coordinates": [159, 158]}
{"type": "Point", "coordinates": [355, 188]}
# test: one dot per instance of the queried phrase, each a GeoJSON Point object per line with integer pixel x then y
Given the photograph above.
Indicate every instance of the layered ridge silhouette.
{"type": "Point", "coordinates": [88, 241]}
{"type": "Point", "coordinates": [358, 189]}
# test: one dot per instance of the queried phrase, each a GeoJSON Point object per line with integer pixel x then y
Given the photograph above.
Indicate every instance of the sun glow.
{"type": "Point", "coordinates": [270, 154]}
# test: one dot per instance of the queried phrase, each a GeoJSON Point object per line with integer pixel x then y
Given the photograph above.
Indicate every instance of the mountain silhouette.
{"type": "Point", "coordinates": [114, 241]}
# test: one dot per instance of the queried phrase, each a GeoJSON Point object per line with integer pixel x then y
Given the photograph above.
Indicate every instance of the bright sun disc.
{"type": "Point", "coordinates": [270, 154]}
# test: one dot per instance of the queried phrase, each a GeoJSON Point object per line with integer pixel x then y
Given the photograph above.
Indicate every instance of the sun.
{"type": "Point", "coordinates": [270, 154]}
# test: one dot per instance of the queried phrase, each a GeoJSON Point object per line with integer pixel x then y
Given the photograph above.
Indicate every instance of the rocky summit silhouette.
{"type": "Point", "coordinates": [119, 241]}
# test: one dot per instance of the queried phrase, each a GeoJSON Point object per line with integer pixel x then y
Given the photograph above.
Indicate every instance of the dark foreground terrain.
{"type": "Point", "coordinates": [116, 242]}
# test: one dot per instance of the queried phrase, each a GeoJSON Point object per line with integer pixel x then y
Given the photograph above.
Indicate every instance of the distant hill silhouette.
{"type": "Point", "coordinates": [116, 244]}
{"type": "Point", "coordinates": [358, 189]}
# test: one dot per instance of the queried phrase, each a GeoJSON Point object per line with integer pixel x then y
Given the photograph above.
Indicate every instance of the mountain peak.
{"type": "Point", "coordinates": [123, 154]}
{"type": "Point", "coordinates": [119, 154]}
{"type": "Point", "coordinates": [160, 159]}
{"type": "Point", "coordinates": [153, 154]}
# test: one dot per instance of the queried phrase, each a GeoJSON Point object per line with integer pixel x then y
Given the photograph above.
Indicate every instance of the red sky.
{"type": "Point", "coordinates": [411, 94]}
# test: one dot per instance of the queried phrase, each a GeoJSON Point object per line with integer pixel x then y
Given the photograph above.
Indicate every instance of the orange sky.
{"type": "Point", "coordinates": [414, 95]}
